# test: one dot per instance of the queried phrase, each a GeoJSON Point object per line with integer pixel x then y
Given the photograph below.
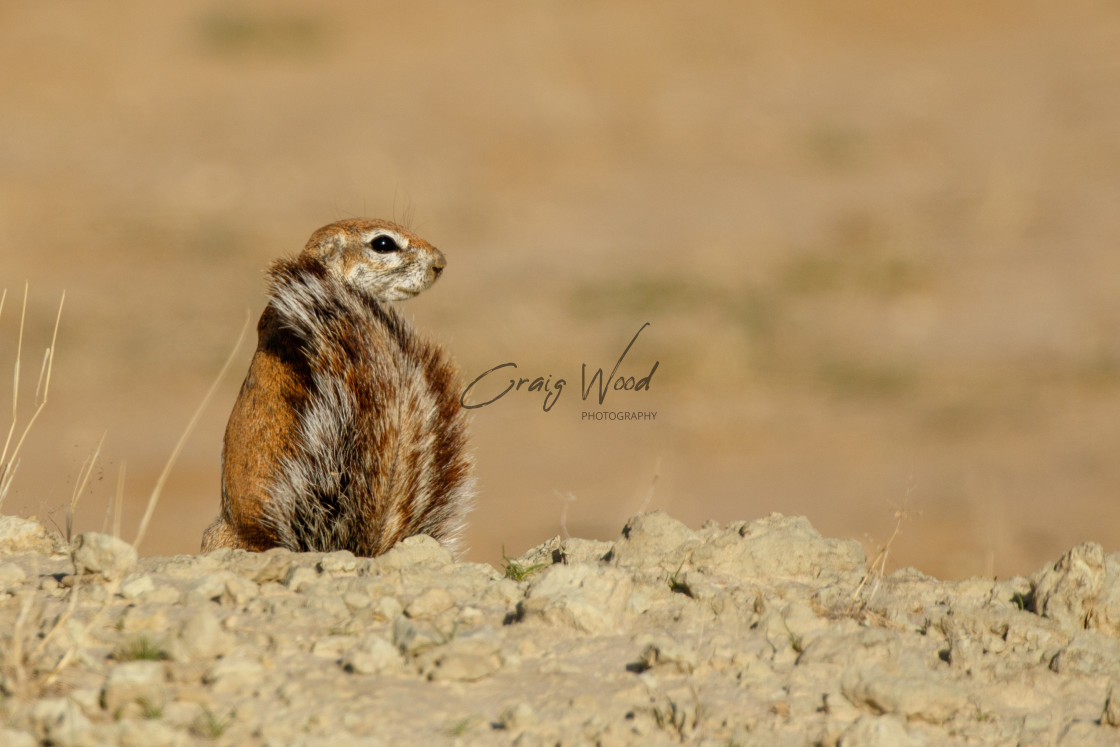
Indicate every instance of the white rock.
{"type": "Point", "coordinates": [429, 604]}
{"type": "Point", "coordinates": [466, 658]}
{"type": "Point", "coordinates": [11, 576]}
{"type": "Point", "coordinates": [338, 563]}
{"type": "Point", "coordinates": [134, 682]}
{"type": "Point", "coordinates": [109, 556]}
{"type": "Point", "coordinates": [232, 674]}
{"type": "Point", "coordinates": [914, 693]}
{"type": "Point", "coordinates": [653, 540]}
{"type": "Point", "coordinates": [137, 586]}
{"type": "Point", "coordinates": [200, 637]}
{"type": "Point", "coordinates": [372, 655]}
{"type": "Point", "coordinates": [663, 651]}
{"type": "Point", "coordinates": [1066, 592]}
{"type": "Point", "coordinates": [332, 646]}
{"type": "Point", "coordinates": [300, 577]}
{"type": "Point", "coordinates": [419, 550]}
{"type": "Point", "coordinates": [149, 733]}
{"type": "Point", "coordinates": [13, 738]}
{"type": "Point", "coordinates": [387, 608]}
{"type": "Point", "coordinates": [60, 722]}
{"type": "Point", "coordinates": [517, 717]}
{"type": "Point", "coordinates": [590, 598]}
{"type": "Point", "coordinates": [147, 617]}
{"type": "Point", "coordinates": [778, 546]}
{"type": "Point", "coordinates": [18, 535]}
{"type": "Point", "coordinates": [878, 731]}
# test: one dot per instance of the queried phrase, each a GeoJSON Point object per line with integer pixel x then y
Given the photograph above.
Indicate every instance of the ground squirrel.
{"type": "Point", "coordinates": [348, 433]}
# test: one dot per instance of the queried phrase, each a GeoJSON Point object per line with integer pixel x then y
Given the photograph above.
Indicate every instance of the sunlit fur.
{"type": "Point", "coordinates": [347, 433]}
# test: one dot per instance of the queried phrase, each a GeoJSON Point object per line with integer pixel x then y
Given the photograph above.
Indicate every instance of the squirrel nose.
{"type": "Point", "coordinates": [439, 263]}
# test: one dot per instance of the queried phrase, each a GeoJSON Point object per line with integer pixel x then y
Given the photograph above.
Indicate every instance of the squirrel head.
{"type": "Point", "coordinates": [377, 257]}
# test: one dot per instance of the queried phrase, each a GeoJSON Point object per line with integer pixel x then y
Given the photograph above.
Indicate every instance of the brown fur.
{"type": "Point", "coordinates": [347, 433]}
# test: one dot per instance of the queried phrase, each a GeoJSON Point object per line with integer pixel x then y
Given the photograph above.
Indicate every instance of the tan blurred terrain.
{"type": "Point", "coordinates": [877, 246]}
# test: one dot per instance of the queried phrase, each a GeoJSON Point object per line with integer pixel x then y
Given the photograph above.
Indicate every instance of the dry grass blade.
{"type": "Point", "coordinates": [9, 462]}
{"type": "Point", "coordinates": [16, 659]}
{"type": "Point", "coordinates": [118, 502]}
{"type": "Point", "coordinates": [153, 499]}
{"type": "Point", "coordinates": [15, 391]}
{"type": "Point", "coordinates": [80, 486]}
{"type": "Point", "coordinates": [876, 569]}
{"type": "Point", "coordinates": [15, 649]}
{"type": "Point", "coordinates": [70, 607]}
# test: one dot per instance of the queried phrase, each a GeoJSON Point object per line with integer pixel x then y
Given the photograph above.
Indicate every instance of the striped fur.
{"type": "Point", "coordinates": [348, 433]}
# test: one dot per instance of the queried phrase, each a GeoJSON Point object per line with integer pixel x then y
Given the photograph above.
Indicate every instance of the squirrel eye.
{"type": "Point", "coordinates": [384, 244]}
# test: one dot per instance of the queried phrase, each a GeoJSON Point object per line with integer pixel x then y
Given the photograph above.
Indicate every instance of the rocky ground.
{"type": "Point", "coordinates": [758, 632]}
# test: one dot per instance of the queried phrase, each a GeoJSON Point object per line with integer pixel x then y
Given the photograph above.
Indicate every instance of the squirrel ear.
{"type": "Point", "coordinates": [326, 245]}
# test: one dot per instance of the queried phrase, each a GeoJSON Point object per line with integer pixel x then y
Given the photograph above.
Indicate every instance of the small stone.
{"type": "Point", "coordinates": [134, 682]}
{"type": "Point", "coordinates": [201, 637]}
{"type": "Point", "coordinates": [518, 717]}
{"type": "Point", "coordinates": [109, 556]}
{"type": "Point", "coordinates": [330, 606]}
{"type": "Point", "coordinates": [265, 567]}
{"type": "Point", "coordinates": [878, 731]}
{"type": "Point", "coordinates": [577, 550]}
{"type": "Point", "coordinates": [1089, 653]}
{"type": "Point", "coordinates": [11, 576]}
{"type": "Point", "coordinates": [1078, 733]}
{"type": "Point", "coordinates": [149, 733]}
{"type": "Point", "coordinates": [1105, 615]}
{"type": "Point", "coordinates": [1111, 714]}
{"type": "Point", "coordinates": [146, 617]}
{"type": "Point", "coordinates": [60, 722]}
{"type": "Point", "coordinates": [87, 698]}
{"type": "Point", "coordinates": [666, 652]}
{"type": "Point", "coordinates": [223, 587]}
{"type": "Point", "coordinates": [338, 563]}
{"type": "Point", "coordinates": [912, 694]}
{"type": "Point", "coordinates": [331, 646]}
{"type": "Point", "coordinates": [778, 546]}
{"type": "Point", "coordinates": [229, 675]}
{"type": "Point", "coordinates": [418, 550]}
{"type": "Point", "coordinates": [653, 539]}
{"type": "Point", "coordinates": [1066, 591]}
{"type": "Point", "coordinates": [137, 586]}
{"type": "Point", "coordinates": [301, 577]}
{"type": "Point", "coordinates": [387, 608]}
{"type": "Point", "coordinates": [372, 655]}
{"type": "Point", "coordinates": [429, 604]}
{"type": "Point", "coordinates": [590, 598]}
{"type": "Point", "coordinates": [356, 600]}
{"type": "Point", "coordinates": [18, 535]}
{"type": "Point", "coordinates": [13, 738]}
{"type": "Point", "coordinates": [467, 659]}
{"type": "Point", "coordinates": [409, 639]}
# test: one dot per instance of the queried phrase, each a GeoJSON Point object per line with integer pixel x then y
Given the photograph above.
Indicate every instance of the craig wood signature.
{"type": "Point", "coordinates": [553, 389]}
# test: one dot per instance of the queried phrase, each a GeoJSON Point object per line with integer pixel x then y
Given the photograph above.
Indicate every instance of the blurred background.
{"type": "Point", "coordinates": [876, 245]}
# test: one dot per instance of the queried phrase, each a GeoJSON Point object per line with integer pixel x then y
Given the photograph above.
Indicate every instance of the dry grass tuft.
{"type": "Point", "coordinates": [9, 457]}
{"type": "Point", "coordinates": [26, 670]}
{"type": "Point", "coordinates": [864, 594]}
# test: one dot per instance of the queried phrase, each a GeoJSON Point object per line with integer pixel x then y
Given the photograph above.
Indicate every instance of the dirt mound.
{"type": "Point", "coordinates": [754, 632]}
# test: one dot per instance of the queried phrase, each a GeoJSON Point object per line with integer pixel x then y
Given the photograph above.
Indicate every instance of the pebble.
{"type": "Point", "coordinates": [372, 655]}
{"type": "Point", "coordinates": [18, 535]}
{"type": "Point", "coordinates": [103, 554]}
{"type": "Point", "coordinates": [134, 682]}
